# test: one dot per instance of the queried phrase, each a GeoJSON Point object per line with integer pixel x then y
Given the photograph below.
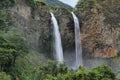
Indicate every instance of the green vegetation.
{"type": "Point", "coordinates": [82, 4]}
{"type": "Point", "coordinates": [6, 3]}
{"type": "Point", "coordinates": [11, 42]}
{"type": "Point", "coordinates": [4, 76]}
{"type": "Point", "coordinates": [5, 20]}
{"type": "Point", "coordinates": [51, 71]}
{"type": "Point", "coordinates": [12, 45]}
{"type": "Point", "coordinates": [32, 3]}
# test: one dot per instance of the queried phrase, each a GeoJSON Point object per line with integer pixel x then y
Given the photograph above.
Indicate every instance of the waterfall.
{"type": "Point", "coordinates": [78, 46]}
{"type": "Point", "coordinates": [58, 51]}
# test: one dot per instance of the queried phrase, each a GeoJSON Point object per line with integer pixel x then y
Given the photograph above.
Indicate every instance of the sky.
{"type": "Point", "coordinates": [70, 2]}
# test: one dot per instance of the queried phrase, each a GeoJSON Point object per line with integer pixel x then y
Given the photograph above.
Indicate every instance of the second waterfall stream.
{"type": "Point", "coordinates": [78, 45]}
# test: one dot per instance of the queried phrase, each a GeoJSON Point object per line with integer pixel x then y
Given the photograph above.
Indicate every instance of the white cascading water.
{"type": "Point", "coordinates": [78, 45]}
{"type": "Point", "coordinates": [57, 40]}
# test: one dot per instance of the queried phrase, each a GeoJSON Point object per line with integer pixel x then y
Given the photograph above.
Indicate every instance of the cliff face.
{"type": "Point", "coordinates": [100, 28]}
{"type": "Point", "coordinates": [34, 24]}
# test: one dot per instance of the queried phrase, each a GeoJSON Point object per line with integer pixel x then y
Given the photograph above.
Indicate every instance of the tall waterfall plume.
{"type": "Point", "coordinates": [58, 50]}
{"type": "Point", "coordinates": [78, 45]}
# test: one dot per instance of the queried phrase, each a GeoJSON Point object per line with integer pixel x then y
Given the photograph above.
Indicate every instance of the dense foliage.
{"type": "Point", "coordinates": [51, 71]}
{"type": "Point", "coordinates": [4, 76]}
{"type": "Point", "coordinates": [5, 19]}
{"type": "Point", "coordinates": [82, 4]}
{"type": "Point", "coordinates": [11, 45]}
{"type": "Point", "coordinates": [6, 3]}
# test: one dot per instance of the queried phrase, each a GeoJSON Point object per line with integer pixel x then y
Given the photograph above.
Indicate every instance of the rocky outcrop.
{"type": "Point", "coordinates": [100, 28]}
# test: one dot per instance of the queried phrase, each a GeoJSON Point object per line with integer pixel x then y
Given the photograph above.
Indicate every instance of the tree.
{"type": "Point", "coordinates": [11, 46]}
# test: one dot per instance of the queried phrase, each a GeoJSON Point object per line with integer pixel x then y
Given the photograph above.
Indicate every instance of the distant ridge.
{"type": "Point", "coordinates": [55, 3]}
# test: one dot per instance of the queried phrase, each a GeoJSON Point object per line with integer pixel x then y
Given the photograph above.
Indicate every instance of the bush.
{"type": "Point", "coordinates": [4, 76]}
{"type": "Point", "coordinates": [102, 73]}
{"type": "Point", "coordinates": [51, 71]}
